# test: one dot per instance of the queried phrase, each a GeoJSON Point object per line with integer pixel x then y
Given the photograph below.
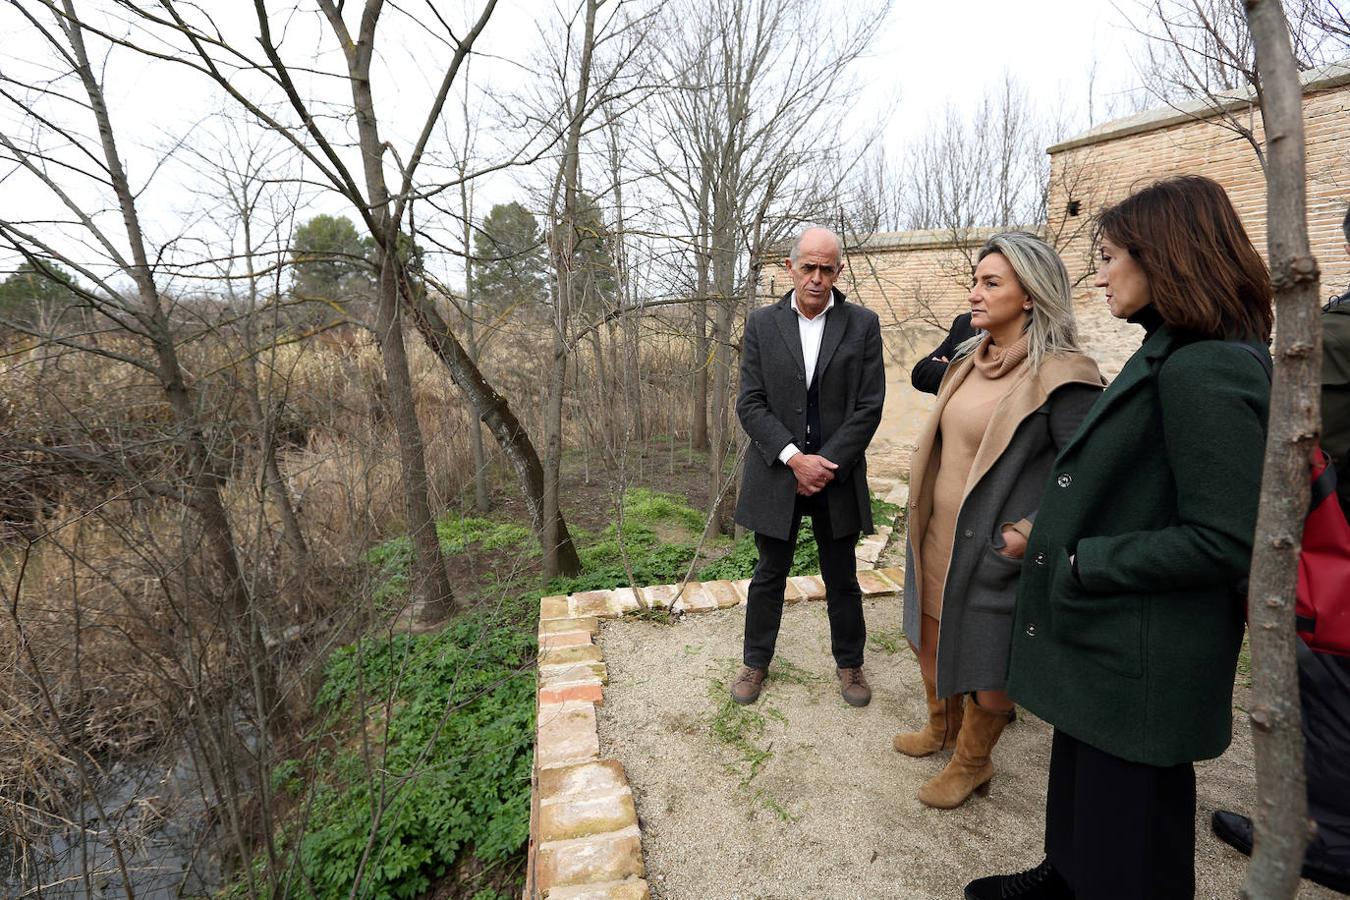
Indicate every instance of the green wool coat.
{"type": "Point", "coordinates": [1133, 649]}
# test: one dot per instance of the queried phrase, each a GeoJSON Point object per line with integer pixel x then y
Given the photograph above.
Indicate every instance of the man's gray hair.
{"type": "Point", "coordinates": [1042, 275]}
{"type": "Point", "coordinates": [797, 244]}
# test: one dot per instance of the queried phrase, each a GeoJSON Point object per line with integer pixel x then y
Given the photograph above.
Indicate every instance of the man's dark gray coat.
{"type": "Point", "coordinates": [772, 410]}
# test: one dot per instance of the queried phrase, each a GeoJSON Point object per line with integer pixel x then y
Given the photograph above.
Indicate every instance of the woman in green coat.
{"type": "Point", "coordinates": [1129, 614]}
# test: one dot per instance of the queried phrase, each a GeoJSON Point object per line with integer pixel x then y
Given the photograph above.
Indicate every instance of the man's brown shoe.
{"type": "Point", "coordinates": [745, 689]}
{"type": "Point", "coordinates": [853, 685]}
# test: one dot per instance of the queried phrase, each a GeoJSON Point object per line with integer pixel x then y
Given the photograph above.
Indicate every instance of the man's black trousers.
{"type": "Point", "coordinates": [1119, 830]}
{"type": "Point", "coordinates": [838, 569]}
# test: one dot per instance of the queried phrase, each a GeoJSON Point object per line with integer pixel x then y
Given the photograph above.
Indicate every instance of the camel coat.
{"type": "Point", "coordinates": [1035, 418]}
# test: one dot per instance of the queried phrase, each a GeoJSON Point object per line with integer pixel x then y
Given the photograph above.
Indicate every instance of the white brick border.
{"type": "Point", "coordinates": [585, 842]}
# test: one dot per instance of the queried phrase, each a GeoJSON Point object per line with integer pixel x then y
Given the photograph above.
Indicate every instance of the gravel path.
{"type": "Point", "coordinates": [802, 796]}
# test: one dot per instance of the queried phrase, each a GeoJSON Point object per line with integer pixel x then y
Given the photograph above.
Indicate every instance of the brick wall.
{"type": "Point", "coordinates": [1103, 166]}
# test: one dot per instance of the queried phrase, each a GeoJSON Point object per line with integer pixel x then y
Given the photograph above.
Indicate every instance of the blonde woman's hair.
{"type": "Point", "coordinates": [1039, 270]}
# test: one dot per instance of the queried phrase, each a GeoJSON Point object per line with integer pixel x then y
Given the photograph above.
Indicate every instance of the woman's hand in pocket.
{"type": "Point", "coordinates": [1014, 545]}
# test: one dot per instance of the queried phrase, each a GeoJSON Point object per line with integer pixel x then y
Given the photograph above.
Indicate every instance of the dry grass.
{"type": "Point", "coordinates": [112, 633]}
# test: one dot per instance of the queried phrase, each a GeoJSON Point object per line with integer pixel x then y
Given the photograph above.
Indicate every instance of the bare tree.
{"type": "Point", "coordinates": [741, 178]}
{"type": "Point", "coordinates": [1202, 51]}
{"type": "Point", "coordinates": [1295, 421]}
{"type": "Point", "coordinates": [141, 309]}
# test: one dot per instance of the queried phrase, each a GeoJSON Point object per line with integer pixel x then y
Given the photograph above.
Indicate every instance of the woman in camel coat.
{"type": "Point", "coordinates": [1012, 398]}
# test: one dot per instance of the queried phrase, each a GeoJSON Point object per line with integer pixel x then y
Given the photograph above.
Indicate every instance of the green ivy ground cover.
{"type": "Point", "coordinates": [449, 717]}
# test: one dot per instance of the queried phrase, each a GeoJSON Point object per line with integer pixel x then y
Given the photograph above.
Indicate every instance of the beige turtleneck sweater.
{"type": "Point", "coordinates": [965, 417]}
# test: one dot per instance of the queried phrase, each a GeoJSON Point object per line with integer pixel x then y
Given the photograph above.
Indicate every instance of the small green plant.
{"type": "Point", "coordinates": [450, 718]}
{"type": "Point", "coordinates": [740, 730]}
{"type": "Point", "coordinates": [886, 641]}
{"type": "Point", "coordinates": [456, 534]}
{"type": "Point", "coordinates": [790, 673]}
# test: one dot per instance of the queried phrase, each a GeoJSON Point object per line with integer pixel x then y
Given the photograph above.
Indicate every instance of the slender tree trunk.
{"type": "Point", "coordinates": [564, 245]}
{"type": "Point", "coordinates": [202, 481]}
{"type": "Point", "coordinates": [482, 500]}
{"type": "Point", "coordinates": [1281, 814]}
{"type": "Point", "coordinates": [495, 412]}
{"type": "Point", "coordinates": [430, 586]}
{"type": "Point", "coordinates": [724, 275]}
{"type": "Point", "coordinates": [698, 401]}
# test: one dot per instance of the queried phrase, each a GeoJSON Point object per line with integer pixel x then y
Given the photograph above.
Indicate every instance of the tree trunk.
{"type": "Point", "coordinates": [482, 500]}
{"type": "Point", "coordinates": [203, 484]}
{"type": "Point", "coordinates": [698, 401]}
{"type": "Point", "coordinates": [494, 411]}
{"type": "Point", "coordinates": [1281, 814]}
{"type": "Point", "coordinates": [430, 586]}
{"type": "Point", "coordinates": [564, 246]}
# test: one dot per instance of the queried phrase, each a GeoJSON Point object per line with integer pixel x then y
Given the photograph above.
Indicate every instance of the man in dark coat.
{"type": "Point", "coordinates": [927, 373]}
{"type": "Point", "coordinates": [1324, 679]}
{"type": "Point", "coordinates": [812, 387]}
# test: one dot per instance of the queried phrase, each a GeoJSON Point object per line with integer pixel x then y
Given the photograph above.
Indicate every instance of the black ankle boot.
{"type": "Point", "coordinates": [1040, 883]}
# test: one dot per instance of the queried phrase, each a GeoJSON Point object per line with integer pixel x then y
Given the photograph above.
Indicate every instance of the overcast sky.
{"type": "Point", "coordinates": [926, 56]}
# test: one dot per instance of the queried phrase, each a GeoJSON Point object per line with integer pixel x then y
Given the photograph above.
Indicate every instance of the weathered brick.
{"type": "Point", "coordinates": [567, 639]}
{"type": "Point", "coordinates": [589, 692]}
{"type": "Point", "coordinates": [874, 584]}
{"type": "Point", "coordinates": [561, 820]}
{"type": "Point", "coordinates": [868, 551]}
{"type": "Point", "coordinates": [631, 889]}
{"type": "Point", "coordinates": [659, 596]}
{"type": "Point", "coordinates": [627, 600]}
{"type": "Point", "coordinates": [566, 734]}
{"type": "Point", "coordinates": [593, 860]}
{"type": "Point", "coordinates": [595, 603]}
{"type": "Point", "coordinates": [588, 624]}
{"type": "Point", "coordinates": [693, 599]}
{"type": "Point", "coordinates": [554, 607]}
{"type": "Point", "coordinates": [583, 653]}
{"type": "Point", "coordinates": [792, 593]}
{"type": "Point", "coordinates": [809, 587]}
{"type": "Point", "coordinates": [742, 589]}
{"type": "Point", "coordinates": [594, 669]}
{"type": "Point", "coordinates": [723, 593]}
{"type": "Point", "coordinates": [604, 776]}
{"type": "Point", "coordinates": [896, 574]}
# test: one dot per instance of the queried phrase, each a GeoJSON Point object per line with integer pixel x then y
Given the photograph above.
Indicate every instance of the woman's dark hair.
{"type": "Point", "coordinates": [1204, 276]}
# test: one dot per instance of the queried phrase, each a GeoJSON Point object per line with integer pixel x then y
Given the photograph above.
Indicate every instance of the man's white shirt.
{"type": "Point", "coordinates": [812, 332]}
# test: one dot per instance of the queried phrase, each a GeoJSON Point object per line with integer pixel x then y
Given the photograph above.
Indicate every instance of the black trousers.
{"type": "Point", "coordinates": [1324, 694]}
{"type": "Point", "coordinates": [1119, 830]}
{"type": "Point", "coordinates": [838, 569]}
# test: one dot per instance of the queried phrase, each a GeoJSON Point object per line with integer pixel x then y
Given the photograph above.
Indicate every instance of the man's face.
{"type": "Point", "coordinates": [815, 271]}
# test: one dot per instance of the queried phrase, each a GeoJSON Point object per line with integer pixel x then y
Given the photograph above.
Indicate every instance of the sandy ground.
{"type": "Point", "coordinates": [828, 810]}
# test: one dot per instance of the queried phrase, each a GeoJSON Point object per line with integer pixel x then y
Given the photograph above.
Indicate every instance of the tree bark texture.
{"type": "Point", "coordinates": [430, 586]}
{"type": "Point", "coordinates": [1281, 814]}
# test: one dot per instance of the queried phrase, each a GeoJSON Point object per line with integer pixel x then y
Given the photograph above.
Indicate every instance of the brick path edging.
{"type": "Point", "coordinates": [585, 842]}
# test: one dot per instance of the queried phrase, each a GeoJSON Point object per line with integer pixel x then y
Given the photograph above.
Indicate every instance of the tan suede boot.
{"type": "Point", "coordinates": [944, 722]}
{"type": "Point", "coordinates": [969, 769]}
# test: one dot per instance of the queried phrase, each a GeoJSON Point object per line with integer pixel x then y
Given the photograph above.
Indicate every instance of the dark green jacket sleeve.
{"type": "Point", "coordinates": [1214, 400]}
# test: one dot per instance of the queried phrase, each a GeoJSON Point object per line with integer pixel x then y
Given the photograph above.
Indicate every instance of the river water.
{"type": "Point", "coordinates": [157, 811]}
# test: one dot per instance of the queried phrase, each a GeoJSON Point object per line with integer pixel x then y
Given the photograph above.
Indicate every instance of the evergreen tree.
{"type": "Point", "coordinates": [36, 289]}
{"type": "Point", "coordinates": [332, 261]}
